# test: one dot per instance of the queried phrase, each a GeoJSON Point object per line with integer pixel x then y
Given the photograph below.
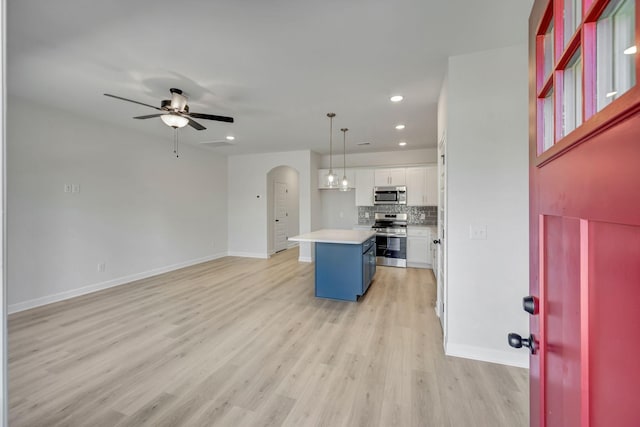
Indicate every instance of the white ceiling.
{"type": "Point", "coordinates": [276, 66]}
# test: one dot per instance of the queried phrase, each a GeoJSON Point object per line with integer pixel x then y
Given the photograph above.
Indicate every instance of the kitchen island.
{"type": "Point", "coordinates": [345, 262]}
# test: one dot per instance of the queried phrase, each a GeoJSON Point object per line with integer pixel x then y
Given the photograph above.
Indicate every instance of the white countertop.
{"type": "Point", "coordinates": [349, 237]}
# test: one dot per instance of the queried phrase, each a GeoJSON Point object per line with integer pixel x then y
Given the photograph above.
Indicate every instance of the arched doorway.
{"type": "Point", "coordinates": [283, 207]}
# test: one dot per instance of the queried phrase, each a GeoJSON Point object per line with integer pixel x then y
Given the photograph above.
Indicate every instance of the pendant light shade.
{"type": "Point", "coordinates": [331, 178]}
{"type": "Point", "coordinates": [344, 184]}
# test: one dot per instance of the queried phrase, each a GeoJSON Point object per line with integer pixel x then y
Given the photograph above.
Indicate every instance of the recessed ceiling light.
{"type": "Point", "coordinates": [399, 127]}
{"type": "Point", "coordinates": [402, 143]}
{"type": "Point", "coordinates": [396, 98]}
{"type": "Point", "coordinates": [611, 94]}
{"type": "Point", "coordinates": [631, 50]}
{"type": "Point", "coordinates": [231, 138]}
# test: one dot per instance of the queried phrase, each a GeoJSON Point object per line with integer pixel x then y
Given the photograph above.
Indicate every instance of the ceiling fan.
{"type": "Point", "coordinates": [175, 111]}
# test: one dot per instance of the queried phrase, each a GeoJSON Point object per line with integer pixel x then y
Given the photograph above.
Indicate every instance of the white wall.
{"type": "Point", "coordinates": [339, 209]}
{"type": "Point", "coordinates": [140, 210]}
{"type": "Point", "coordinates": [386, 158]}
{"type": "Point", "coordinates": [487, 137]}
{"type": "Point", "coordinates": [247, 200]}
{"type": "Point", "coordinates": [288, 176]}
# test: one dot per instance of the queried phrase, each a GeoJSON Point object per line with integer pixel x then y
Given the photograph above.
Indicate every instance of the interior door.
{"type": "Point", "coordinates": [280, 215]}
{"type": "Point", "coordinates": [585, 214]}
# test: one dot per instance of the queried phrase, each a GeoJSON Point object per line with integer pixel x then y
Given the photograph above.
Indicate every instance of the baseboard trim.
{"type": "Point", "coordinates": [49, 299]}
{"type": "Point", "coordinates": [305, 259]}
{"type": "Point", "coordinates": [248, 255]}
{"type": "Point", "coordinates": [521, 360]}
{"type": "Point", "coordinates": [418, 265]}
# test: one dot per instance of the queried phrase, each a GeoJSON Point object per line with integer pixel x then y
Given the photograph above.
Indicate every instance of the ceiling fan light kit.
{"type": "Point", "coordinates": [174, 120]}
{"type": "Point", "coordinates": [175, 113]}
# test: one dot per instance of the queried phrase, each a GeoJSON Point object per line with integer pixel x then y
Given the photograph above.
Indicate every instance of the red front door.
{"type": "Point", "coordinates": [585, 213]}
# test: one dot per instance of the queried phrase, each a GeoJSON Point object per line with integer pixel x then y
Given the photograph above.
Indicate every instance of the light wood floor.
{"type": "Point", "coordinates": [243, 342]}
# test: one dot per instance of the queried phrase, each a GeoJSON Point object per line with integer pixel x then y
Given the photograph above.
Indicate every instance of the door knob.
{"type": "Point", "coordinates": [516, 341]}
{"type": "Point", "coordinates": [530, 304]}
{"type": "Point", "coordinates": [437, 242]}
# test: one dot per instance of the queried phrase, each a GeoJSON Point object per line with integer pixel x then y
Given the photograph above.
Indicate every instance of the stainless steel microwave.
{"type": "Point", "coordinates": [390, 195]}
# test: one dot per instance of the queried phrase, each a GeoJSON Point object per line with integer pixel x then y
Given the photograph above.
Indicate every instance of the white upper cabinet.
{"type": "Point", "coordinates": [422, 186]}
{"type": "Point", "coordinates": [364, 187]}
{"type": "Point", "coordinates": [417, 186]}
{"type": "Point", "coordinates": [387, 177]}
{"type": "Point", "coordinates": [432, 186]}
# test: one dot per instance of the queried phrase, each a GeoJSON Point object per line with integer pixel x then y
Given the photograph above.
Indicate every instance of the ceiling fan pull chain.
{"type": "Point", "coordinates": [175, 141]}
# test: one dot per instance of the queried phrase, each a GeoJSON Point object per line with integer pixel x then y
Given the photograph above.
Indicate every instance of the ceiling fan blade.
{"type": "Point", "coordinates": [131, 100]}
{"type": "Point", "coordinates": [150, 116]}
{"type": "Point", "coordinates": [211, 117]}
{"type": "Point", "coordinates": [195, 124]}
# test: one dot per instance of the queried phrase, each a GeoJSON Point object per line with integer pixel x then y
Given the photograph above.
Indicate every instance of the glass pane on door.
{"type": "Point", "coordinates": [572, 96]}
{"type": "Point", "coordinates": [572, 18]}
{"type": "Point", "coordinates": [549, 61]}
{"type": "Point", "coordinates": [547, 112]}
{"type": "Point", "coordinates": [615, 51]}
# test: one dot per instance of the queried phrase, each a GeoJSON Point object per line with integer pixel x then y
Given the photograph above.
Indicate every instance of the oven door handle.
{"type": "Point", "coordinates": [390, 235]}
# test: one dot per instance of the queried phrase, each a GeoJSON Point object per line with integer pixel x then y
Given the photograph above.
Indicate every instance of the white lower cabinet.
{"type": "Point", "coordinates": [419, 247]}
{"type": "Point", "coordinates": [434, 255]}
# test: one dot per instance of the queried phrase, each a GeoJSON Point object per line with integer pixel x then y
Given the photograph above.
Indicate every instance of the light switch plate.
{"type": "Point", "coordinates": [478, 232]}
{"type": "Point", "coordinates": [75, 188]}
{"type": "Point", "coordinates": [67, 188]}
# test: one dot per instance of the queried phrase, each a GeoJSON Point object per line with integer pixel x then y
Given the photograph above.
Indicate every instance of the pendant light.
{"type": "Point", "coordinates": [344, 184]}
{"type": "Point", "coordinates": [331, 178]}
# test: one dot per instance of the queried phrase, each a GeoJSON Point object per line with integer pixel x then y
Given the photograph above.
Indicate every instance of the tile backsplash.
{"type": "Point", "coordinates": [414, 212]}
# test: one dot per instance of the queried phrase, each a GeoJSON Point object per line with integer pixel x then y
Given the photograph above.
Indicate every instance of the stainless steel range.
{"type": "Point", "coordinates": [391, 239]}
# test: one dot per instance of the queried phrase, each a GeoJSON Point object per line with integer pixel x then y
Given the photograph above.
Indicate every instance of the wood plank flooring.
{"type": "Point", "coordinates": [244, 342]}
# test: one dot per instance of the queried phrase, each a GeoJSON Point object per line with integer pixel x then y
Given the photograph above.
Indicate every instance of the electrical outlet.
{"type": "Point", "coordinates": [478, 232]}
{"type": "Point", "coordinates": [102, 267]}
{"type": "Point", "coordinates": [423, 215]}
{"type": "Point", "coordinates": [75, 188]}
{"type": "Point", "coordinates": [366, 214]}
{"type": "Point", "coordinates": [341, 214]}
{"type": "Point", "coordinates": [67, 188]}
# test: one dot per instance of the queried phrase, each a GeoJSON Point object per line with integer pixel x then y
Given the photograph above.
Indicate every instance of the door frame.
{"type": "Point", "coordinates": [441, 277]}
{"type": "Point", "coordinates": [275, 215]}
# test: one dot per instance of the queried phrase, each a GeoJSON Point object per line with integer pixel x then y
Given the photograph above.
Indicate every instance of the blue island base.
{"type": "Point", "coordinates": [344, 271]}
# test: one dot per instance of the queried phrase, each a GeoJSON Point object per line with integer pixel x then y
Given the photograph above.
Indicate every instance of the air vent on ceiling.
{"type": "Point", "coordinates": [219, 143]}
{"type": "Point", "coordinates": [364, 143]}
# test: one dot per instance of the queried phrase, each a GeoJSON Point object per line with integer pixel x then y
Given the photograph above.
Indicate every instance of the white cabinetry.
{"type": "Point", "coordinates": [434, 253]}
{"type": "Point", "coordinates": [432, 186]}
{"type": "Point", "coordinates": [417, 186]}
{"type": "Point", "coordinates": [386, 177]}
{"type": "Point", "coordinates": [364, 187]}
{"type": "Point", "coordinates": [422, 186]}
{"type": "Point", "coordinates": [419, 247]}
